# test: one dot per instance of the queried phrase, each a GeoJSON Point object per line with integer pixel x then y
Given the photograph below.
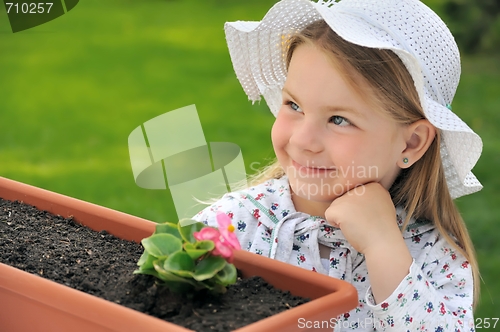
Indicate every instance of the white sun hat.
{"type": "Point", "coordinates": [407, 27]}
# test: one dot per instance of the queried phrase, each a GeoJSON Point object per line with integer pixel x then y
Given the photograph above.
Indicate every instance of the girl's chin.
{"type": "Point", "coordinates": [317, 189]}
{"type": "Point", "coordinates": [315, 194]}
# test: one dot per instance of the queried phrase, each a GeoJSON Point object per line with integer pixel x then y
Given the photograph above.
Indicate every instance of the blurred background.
{"type": "Point", "coordinates": [73, 89]}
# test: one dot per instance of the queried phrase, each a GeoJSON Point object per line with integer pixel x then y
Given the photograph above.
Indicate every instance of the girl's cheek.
{"type": "Point", "coordinates": [278, 131]}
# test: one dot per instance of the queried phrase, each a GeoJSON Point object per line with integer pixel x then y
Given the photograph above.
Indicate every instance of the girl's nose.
{"type": "Point", "coordinates": [306, 136]}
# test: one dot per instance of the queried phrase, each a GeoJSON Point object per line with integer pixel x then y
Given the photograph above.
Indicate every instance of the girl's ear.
{"type": "Point", "coordinates": [419, 136]}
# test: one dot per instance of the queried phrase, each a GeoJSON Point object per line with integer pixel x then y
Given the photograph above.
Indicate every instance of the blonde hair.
{"type": "Point", "coordinates": [421, 189]}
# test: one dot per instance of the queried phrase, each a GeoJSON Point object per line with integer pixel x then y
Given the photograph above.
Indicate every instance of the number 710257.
{"type": "Point", "coordinates": [29, 8]}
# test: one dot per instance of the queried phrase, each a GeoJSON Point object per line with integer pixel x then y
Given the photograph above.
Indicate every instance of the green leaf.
{"type": "Point", "coordinates": [161, 244]}
{"type": "Point", "coordinates": [168, 276]}
{"type": "Point", "coordinates": [208, 267]}
{"type": "Point", "coordinates": [180, 263]}
{"type": "Point", "coordinates": [205, 245]}
{"type": "Point", "coordinates": [226, 276]}
{"type": "Point", "coordinates": [198, 249]}
{"type": "Point", "coordinates": [189, 246]}
{"type": "Point", "coordinates": [188, 230]}
{"type": "Point", "coordinates": [168, 228]}
{"type": "Point", "coordinates": [144, 257]}
{"type": "Point", "coordinates": [195, 254]}
{"type": "Point", "coordinates": [146, 261]}
{"type": "Point", "coordinates": [151, 272]}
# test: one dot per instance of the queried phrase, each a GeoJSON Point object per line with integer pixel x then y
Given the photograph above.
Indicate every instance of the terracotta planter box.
{"type": "Point", "coordinates": [29, 302]}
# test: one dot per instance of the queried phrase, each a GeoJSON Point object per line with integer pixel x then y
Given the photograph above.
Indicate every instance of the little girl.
{"type": "Point", "coordinates": [369, 158]}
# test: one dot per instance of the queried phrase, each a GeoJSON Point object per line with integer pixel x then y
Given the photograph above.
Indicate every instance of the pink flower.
{"type": "Point", "coordinates": [224, 239]}
{"type": "Point", "coordinates": [207, 233]}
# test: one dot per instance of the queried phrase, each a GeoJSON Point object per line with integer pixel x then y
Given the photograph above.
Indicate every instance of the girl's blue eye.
{"type": "Point", "coordinates": [339, 121]}
{"type": "Point", "coordinates": [293, 106]}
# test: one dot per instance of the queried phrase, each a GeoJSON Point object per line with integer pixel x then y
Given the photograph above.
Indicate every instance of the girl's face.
{"type": "Point", "coordinates": [327, 137]}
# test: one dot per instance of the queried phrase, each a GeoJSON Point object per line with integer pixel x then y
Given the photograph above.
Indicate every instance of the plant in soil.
{"type": "Point", "coordinates": [102, 265]}
{"type": "Point", "coordinates": [191, 258]}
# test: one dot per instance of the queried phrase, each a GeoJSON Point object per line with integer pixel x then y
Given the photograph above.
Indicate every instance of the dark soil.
{"type": "Point", "coordinates": [100, 264]}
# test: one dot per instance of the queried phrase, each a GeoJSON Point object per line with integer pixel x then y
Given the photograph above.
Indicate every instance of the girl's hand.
{"type": "Point", "coordinates": [366, 216]}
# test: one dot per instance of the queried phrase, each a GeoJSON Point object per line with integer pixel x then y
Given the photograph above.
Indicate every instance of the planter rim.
{"type": "Point", "coordinates": [324, 291]}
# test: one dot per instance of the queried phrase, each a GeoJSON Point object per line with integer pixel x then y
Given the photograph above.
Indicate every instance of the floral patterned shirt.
{"type": "Point", "coordinates": [436, 295]}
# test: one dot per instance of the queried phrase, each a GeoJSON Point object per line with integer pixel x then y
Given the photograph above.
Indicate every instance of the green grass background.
{"type": "Point", "coordinates": [73, 89]}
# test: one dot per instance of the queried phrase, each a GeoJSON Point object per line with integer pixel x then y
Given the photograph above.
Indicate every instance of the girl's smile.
{"type": "Point", "coordinates": [309, 168]}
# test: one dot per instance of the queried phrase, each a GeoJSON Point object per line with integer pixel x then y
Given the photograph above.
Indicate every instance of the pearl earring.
{"type": "Point", "coordinates": [405, 160]}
